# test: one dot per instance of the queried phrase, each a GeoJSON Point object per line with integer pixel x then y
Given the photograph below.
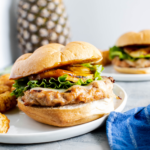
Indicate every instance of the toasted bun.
{"type": "Point", "coordinates": [134, 38]}
{"type": "Point", "coordinates": [52, 56]}
{"type": "Point", "coordinates": [133, 70]}
{"type": "Point", "coordinates": [69, 115]}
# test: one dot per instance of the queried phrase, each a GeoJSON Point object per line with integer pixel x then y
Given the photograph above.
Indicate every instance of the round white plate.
{"type": "Point", "coordinates": [24, 130]}
{"type": "Point", "coordinates": [109, 71]}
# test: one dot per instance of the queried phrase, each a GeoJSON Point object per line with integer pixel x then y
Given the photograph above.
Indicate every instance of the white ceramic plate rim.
{"type": "Point", "coordinates": [118, 110]}
{"type": "Point", "coordinates": [60, 134]}
{"type": "Point", "coordinates": [125, 77]}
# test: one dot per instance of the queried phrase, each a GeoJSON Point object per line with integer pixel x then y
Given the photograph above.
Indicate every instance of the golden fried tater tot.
{"type": "Point", "coordinates": [4, 123]}
{"type": "Point", "coordinates": [9, 83]}
{"type": "Point", "coordinates": [12, 89]}
{"type": "Point", "coordinates": [4, 88]}
{"type": "Point", "coordinates": [105, 61]}
{"type": "Point", "coordinates": [7, 101]}
{"type": "Point", "coordinates": [4, 80]}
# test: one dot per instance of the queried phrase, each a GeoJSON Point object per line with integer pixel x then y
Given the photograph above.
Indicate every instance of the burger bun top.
{"type": "Point", "coordinates": [134, 38]}
{"type": "Point", "coordinates": [54, 55]}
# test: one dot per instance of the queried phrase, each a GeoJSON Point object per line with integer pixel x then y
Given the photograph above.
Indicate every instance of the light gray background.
{"type": "Point", "coordinates": [99, 22]}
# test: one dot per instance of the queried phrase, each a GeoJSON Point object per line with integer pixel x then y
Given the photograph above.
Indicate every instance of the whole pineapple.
{"type": "Point", "coordinates": [41, 22]}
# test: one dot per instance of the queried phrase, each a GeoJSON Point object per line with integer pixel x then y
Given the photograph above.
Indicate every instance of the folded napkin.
{"type": "Point", "coordinates": [129, 130]}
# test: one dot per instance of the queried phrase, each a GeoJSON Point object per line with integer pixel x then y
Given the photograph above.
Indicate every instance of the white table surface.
{"type": "Point", "coordinates": [138, 95]}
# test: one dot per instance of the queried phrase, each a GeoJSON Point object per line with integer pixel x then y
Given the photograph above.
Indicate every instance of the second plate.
{"type": "Point", "coordinates": [109, 71]}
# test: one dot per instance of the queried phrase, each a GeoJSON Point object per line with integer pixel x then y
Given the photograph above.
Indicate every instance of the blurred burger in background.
{"type": "Point", "coordinates": [131, 54]}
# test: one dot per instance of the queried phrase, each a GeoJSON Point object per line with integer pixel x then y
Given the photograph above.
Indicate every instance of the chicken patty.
{"type": "Point", "coordinates": [139, 63]}
{"type": "Point", "coordinates": [96, 90]}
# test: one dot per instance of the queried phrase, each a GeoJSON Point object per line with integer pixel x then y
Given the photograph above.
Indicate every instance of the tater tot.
{"type": "Point", "coordinates": [4, 123]}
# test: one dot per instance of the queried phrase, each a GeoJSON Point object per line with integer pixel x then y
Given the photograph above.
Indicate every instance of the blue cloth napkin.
{"type": "Point", "coordinates": [129, 130]}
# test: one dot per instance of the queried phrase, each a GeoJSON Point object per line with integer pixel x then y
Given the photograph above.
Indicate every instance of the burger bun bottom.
{"type": "Point", "coordinates": [132, 70]}
{"type": "Point", "coordinates": [69, 115]}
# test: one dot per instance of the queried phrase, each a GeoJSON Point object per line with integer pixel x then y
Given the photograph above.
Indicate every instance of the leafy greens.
{"type": "Point", "coordinates": [24, 84]}
{"type": "Point", "coordinates": [96, 68]}
{"type": "Point", "coordinates": [116, 51]}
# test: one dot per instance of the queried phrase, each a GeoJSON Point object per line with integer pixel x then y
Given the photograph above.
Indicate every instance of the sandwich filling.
{"type": "Point", "coordinates": [76, 94]}
{"type": "Point", "coordinates": [79, 83]}
{"type": "Point", "coordinates": [130, 56]}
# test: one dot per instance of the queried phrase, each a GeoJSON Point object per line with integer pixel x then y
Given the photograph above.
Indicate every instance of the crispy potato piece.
{"type": "Point", "coordinates": [7, 101]}
{"type": "Point", "coordinates": [105, 61]}
{"type": "Point", "coordinates": [12, 89]}
{"type": "Point", "coordinates": [4, 123]}
{"type": "Point", "coordinates": [9, 83]}
{"type": "Point", "coordinates": [4, 88]}
{"type": "Point", "coordinates": [4, 80]}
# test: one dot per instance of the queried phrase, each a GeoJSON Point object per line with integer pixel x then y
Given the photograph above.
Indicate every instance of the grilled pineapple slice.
{"type": "Point", "coordinates": [137, 52]}
{"type": "Point", "coordinates": [79, 70]}
{"type": "Point", "coordinates": [74, 77]}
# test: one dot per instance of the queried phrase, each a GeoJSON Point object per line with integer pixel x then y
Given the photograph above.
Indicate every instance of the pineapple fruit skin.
{"type": "Point", "coordinates": [41, 22]}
